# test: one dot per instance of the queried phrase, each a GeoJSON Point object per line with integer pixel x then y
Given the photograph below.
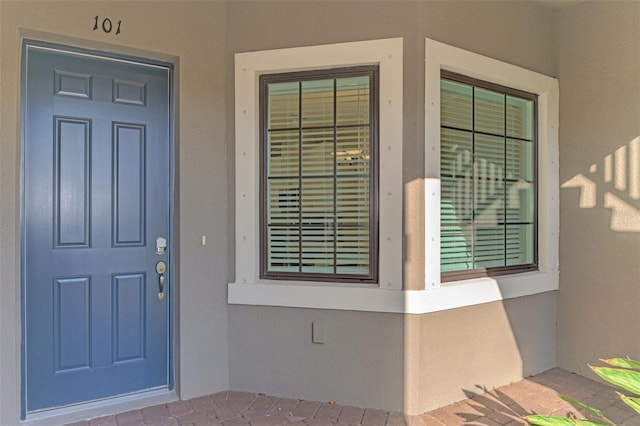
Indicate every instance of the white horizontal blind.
{"type": "Point", "coordinates": [318, 177]}
{"type": "Point", "coordinates": [487, 178]}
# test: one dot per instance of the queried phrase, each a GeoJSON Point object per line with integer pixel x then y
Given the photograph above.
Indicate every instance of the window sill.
{"type": "Point", "coordinates": [369, 298]}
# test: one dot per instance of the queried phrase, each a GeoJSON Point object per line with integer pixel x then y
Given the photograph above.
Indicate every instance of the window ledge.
{"type": "Point", "coordinates": [370, 298]}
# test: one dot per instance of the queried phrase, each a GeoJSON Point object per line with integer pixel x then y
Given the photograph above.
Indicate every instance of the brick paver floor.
{"type": "Point", "coordinates": [502, 406]}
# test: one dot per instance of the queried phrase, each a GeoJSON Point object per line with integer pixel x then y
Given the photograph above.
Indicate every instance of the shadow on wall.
{"type": "Point", "coordinates": [618, 175]}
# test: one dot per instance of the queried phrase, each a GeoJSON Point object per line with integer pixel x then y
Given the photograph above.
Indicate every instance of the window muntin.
{"type": "Point", "coordinates": [319, 175]}
{"type": "Point", "coordinates": [488, 179]}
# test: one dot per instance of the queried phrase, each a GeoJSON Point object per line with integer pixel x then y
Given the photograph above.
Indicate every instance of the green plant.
{"type": "Point", "coordinates": [621, 372]}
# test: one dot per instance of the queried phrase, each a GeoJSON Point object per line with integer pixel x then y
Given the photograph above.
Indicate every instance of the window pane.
{"type": "Point", "coordinates": [489, 112]}
{"type": "Point", "coordinates": [283, 201]}
{"type": "Point", "coordinates": [283, 249]}
{"type": "Point", "coordinates": [520, 202]}
{"type": "Point", "coordinates": [283, 157]}
{"type": "Point", "coordinates": [283, 105]}
{"type": "Point", "coordinates": [317, 152]}
{"type": "Point", "coordinates": [352, 100]}
{"type": "Point", "coordinates": [455, 105]}
{"type": "Point", "coordinates": [352, 251]}
{"type": "Point", "coordinates": [519, 244]}
{"type": "Point", "coordinates": [352, 151]}
{"type": "Point", "coordinates": [520, 162]}
{"type": "Point", "coordinates": [456, 153]}
{"type": "Point", "coordinates": [352, 201]}
{"type": "Point", "coordinates": [488, 246]}
{"type": "Point", "coordinates": [488, 172]}
{"type": "Point", "coordinates": [519, 118]}
{"type": "Point", "coordinates": [317, 249]}
{"type": "Point", "coordinates": [317, 201]}
{"type": "Point", "coordinates": [455, 241]}
{"type": "Point", "coordinates": [317, 103]}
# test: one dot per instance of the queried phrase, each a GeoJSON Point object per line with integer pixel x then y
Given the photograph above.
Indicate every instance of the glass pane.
{"type": "Point", "coordinates": [317, 103]}
{"type": "Point", "coordinates": [519, 244]}
{"type": "Point", "coordinates": [488, 171]}
{"type": "Point", "coordinates": [283, 202]}
{"type": "Point", "coordinates": [317, 201]}
{"type": "Point", "coordinates": [353, 151]}
{"type": "Point", "coordinates": [283, 152]}
{"type": "Point", "coordinates": [456, 153]}
{"type": "Point", "coordinates": [456, 200]}
{"type": "Point", "coordinates": [455, 105]}
{"type": "Point", "coordinates": [317, 152]}
{"type": "Point", "coordinates": [455, 247]}
{"type": "Point", "coordinates": [352, 250]}
{"type": "Point", "coordinates": [519, 118]}
{"type": "Point", "coordinates": [520, 163]}
{"type": "Point", "coordinates": [283, 105]}
{"type": "Point", "coordinates": [317, 250]}
{"type": "Point", "coordinates": [520, 206]}
{"type": "Point", "coordinates": [282, 249]}
{"type": "Point", "coordinates": [352, 100]}
{"type": "Point", "coordinates": [352, 201]}
{"type": "Point", "coordinates": [489, 112]}
{"type": "Point", "coordinates": [488, 250]}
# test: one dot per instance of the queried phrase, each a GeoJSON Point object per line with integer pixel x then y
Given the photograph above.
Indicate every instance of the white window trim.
{"type": "Point", "coordinates": [384, 296]}
{"type": "Point", "coordinates": [388, 295]}
{"type": "Point", "coordinates": [437, 296]}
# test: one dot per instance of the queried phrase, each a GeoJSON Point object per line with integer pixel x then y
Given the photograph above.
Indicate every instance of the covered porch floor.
{"type": "Point", "coordinates": [502, 406]}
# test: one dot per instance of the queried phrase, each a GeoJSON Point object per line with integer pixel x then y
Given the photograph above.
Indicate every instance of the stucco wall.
{"type": "Point", "coordinates": [191, 34]}
{"type": "Point", "coordinates": [519, 33]}
{"type": "Point", "coordinates": [363, 360]}
{"type": "Point", "coordinates": [263, 347]}
{"type": "Point", "coordinates": [598, 58]}
{"type": "Point", "coordinates": [453, 354]}
{"type": "Point", "coordinates": [360, 362]}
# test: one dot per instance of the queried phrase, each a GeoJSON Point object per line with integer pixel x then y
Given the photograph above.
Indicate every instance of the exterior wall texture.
{"type": "Point", "coordinates": [451, 355]}
{"type": "Point", "coordinates": [598, 58]}
{"type": "Point", "coordinates": [263, 347]}
{"type": "Point", "coordinates": [388, 361]}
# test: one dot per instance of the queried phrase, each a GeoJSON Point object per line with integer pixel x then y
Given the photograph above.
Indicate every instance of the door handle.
{"type": "Point", "coordinates": [161, 268]}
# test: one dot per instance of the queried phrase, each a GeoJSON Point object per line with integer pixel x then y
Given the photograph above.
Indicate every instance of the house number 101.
{"type": "Point", "coordinates": [107, 26]}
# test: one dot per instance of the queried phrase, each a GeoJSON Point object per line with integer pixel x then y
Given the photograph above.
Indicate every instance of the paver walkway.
{"type": "Point", "coordinates": [502, 406]}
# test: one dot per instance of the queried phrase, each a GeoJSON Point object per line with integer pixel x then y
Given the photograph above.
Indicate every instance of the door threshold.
{"type": "Point", "coordinates": [100, 408]}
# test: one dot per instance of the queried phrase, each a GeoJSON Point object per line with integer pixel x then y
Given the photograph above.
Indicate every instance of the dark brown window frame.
{"type": "Point", "coordinates": [334, 73]}
{"type": "Point", "coordinates": [504, 270]}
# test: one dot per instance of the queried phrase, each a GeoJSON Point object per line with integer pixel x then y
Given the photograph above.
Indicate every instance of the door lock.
{"type": "Point", "coordinates": [161, 245]}
{"type": "Point", "coordinates": [161, 268]}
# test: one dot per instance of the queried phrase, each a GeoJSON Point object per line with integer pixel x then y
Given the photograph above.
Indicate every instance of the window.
{"type": "Point", "coordinates": [488, 178]}
{"type": "Point", "coordinates": [474, 80]}
{"type": "Point", "coordinates": [318, 175]}
{"type": "Point", "coordinates": [366, 283]}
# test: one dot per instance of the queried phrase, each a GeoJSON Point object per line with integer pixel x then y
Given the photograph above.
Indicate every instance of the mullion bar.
{"type": "Point", "coordinates": [335, 172]}
{"type": "Point", "coordinates": [504, 197]}
{"type": "Point", "coordinates": [480, 132]}
{"type": "Point", "coordinates": [473, 181]}
{"type": "Point", "coordinates": [339, 126]}
{"type": "Point", "coordinates": [300, 176]}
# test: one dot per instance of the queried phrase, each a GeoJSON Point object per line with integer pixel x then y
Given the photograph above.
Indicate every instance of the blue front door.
{"type": "Point", "coordinates": [96, 167]}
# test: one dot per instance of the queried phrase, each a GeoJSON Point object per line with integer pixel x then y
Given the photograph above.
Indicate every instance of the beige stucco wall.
{"type": "Point", "coordinates": [599, 69]}
{"type": "Point", "coordinates": [451, 355]}
{"type": "Point", "coordinates": [519, 33]}
{"type": "Point", "coordinates": [370, 359]}
{"type": "Point", "coordinates": [359, 363]}
{"type": "Point", "coordinates": [191, 34]}
{"type": "Point", "coordinates": [363, 347]}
